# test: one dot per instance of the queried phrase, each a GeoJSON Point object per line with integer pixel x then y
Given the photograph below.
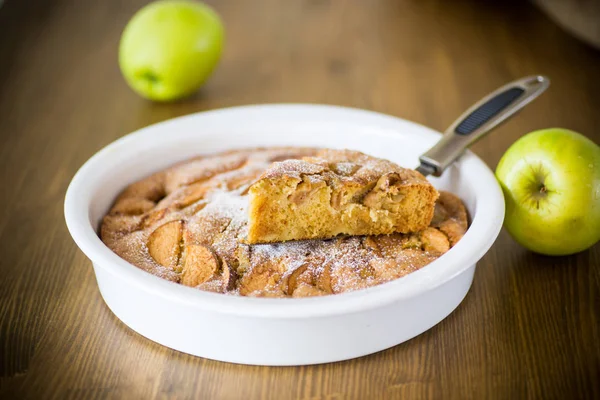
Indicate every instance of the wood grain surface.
{"type": "Point", "coordinates": [529, 328]}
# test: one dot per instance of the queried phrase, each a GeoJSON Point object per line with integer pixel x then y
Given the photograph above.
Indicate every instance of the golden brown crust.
{"type": "Point", "coordinates": [337, 192]}
{"type": "Point", "coordinates": [185, 224]}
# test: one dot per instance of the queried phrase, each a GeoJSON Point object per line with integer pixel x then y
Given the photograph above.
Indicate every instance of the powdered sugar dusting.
{"type": "Point", "coordinates": [214, 213]}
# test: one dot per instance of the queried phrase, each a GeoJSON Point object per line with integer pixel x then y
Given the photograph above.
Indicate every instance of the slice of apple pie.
{"type": "Point", "coordinates": [337, 192]}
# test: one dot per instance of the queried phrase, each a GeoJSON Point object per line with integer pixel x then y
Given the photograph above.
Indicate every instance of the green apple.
{"type": "Point", "coordinates": [169, 48]}
{"type": "Point", "coordinates": [551, 184]}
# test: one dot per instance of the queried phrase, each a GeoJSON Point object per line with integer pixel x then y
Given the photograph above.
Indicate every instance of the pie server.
{"type": "Point", "coordinates": [480, 119]}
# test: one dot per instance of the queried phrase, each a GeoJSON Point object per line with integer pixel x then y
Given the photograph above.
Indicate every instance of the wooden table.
{"type": "Point", "coordinates": [529, 326]}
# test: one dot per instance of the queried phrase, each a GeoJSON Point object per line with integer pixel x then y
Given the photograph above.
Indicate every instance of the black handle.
{"type": "Point", "coordinates": [488, 110]}
{"type": "Point", "coordinates": [478, 120]}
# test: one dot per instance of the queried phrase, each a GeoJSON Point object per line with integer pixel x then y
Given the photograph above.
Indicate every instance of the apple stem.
{"type": "Point", "coordinates": [149, 76]}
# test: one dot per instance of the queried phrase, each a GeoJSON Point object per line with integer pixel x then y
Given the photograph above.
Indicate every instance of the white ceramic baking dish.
{"type": "Point", "coordinates": [279, 331]}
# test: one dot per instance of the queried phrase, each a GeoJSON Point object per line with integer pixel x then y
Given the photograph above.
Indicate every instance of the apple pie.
{"type": "Point", "coordinates": [190, 224]}
{"type": "Point", "coordinates": [337, 192]}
